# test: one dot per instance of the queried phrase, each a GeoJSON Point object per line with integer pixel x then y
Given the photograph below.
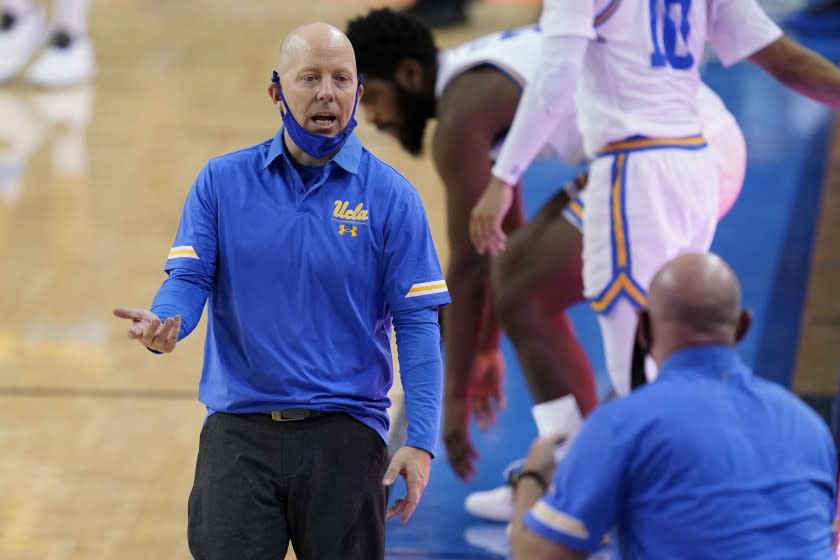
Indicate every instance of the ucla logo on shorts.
{"type": "Point", "coordinates": [351, 218]}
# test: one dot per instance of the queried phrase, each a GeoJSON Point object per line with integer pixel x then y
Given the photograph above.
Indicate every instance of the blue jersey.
{"type": "Point", "coordinates": [707, 462]}
{"type": "Point", "coordinates": [305, 279]}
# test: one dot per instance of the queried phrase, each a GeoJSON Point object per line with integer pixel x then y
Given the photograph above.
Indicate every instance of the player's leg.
{"type": "Point", "coordinates": [642, 209]}
{"type": "Point", "coordinates": [618, 331]}
{"type": "Point", "coordinates": [68, 58]}
{"type": "Point", "coordinates": [727, 144]}
{"type": "Point", "coordinates": [535, 280]}
{"type": "Point", "coordinates": [23, 30]}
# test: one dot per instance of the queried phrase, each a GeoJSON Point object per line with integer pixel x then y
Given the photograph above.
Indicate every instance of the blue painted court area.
{"type": "Point", "coordinates": [767, 238]}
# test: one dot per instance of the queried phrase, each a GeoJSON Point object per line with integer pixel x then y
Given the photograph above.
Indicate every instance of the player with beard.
{"type": "Point", "coordinates": [473, 90]}
{"type": "Point", "coordinates": [474, 103]}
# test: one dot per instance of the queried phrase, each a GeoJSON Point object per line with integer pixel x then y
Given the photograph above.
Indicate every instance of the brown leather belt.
{"type": "Point", "coordinates": [295, 414]}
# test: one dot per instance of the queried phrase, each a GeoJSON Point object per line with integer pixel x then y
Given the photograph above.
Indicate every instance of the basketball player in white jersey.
{"type": "Point", "coordinates": [473, 90]}
{"type": "Point", "coordinates": [63, 53]}
{"type": "Point", "coordinates": [628, 70]}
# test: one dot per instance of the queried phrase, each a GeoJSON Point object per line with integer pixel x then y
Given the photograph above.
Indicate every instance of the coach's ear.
{"type": "Point", "coordinates": [409, 75]}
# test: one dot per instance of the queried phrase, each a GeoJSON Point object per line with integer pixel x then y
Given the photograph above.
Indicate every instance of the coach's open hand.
{"type": "Point", "coordinates": [487, 215]}
{"type": "Point", "coordinates": [413, 465]}
{"type": "Point", "coordinates": [149, 331]}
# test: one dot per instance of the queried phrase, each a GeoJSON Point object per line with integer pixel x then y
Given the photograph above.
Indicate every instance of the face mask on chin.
{"type": "Point", "coordinates": [317, 146]}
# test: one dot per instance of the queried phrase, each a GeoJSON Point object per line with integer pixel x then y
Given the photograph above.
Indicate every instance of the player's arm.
{"type": "Point", "coordinates": [548, 100]}
{"type": "Point", "coordinates": [474, 113]}
{"type": "Point", "coordinates": [547, 104]}
{"type": "Point", "coordinates": [741, 30]}
{"type": "Point", "coordinates": [801, 69]}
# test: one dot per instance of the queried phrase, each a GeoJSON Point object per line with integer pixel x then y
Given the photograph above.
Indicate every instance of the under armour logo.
{"type": "Point", "coordinates": [352, 230]}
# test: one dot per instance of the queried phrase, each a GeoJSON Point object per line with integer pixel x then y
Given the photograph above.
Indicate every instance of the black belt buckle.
{"type": "Point", "coordinates": [292, 414]}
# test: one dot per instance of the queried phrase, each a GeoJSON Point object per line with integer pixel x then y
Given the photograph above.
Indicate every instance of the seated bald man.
{"type": "Point", "coordinates": [707, 462]}
{"type": "Point", "coordinates": [309, 249]}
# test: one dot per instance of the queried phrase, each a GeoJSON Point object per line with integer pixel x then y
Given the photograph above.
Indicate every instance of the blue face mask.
{"type": "Point", "coordinates": [315, 145]}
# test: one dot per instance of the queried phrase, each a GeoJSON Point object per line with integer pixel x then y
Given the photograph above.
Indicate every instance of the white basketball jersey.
{"type": "Point", "coordinates": [514, 53]}
{"type": "Point", "coordinates": [640, 72]}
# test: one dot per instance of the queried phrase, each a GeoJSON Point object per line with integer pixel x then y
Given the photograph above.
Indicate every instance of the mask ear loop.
{"type": "Point", "coordinates": [275, 79]}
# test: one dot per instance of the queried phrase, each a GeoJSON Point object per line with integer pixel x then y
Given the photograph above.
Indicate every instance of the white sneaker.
{"type": "Point", "coordinates": [63, 66]}
{"type": "Point", "coordinates": [495, 504]}
{"type": "Point", "coordinates": [21, 36]}
{"type": "Point", "coordinates": [492, 505]}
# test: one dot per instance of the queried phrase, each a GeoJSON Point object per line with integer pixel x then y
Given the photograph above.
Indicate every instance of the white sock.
{"type": "Point", "coordinates": [18, 7]}
{"type": "Point", "coordinates": [71, 16]}
{"type": "Point", "coordinates": [558, 416]}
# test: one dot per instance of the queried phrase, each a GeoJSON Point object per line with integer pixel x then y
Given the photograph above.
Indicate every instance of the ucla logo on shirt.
{"type": "Point", "coordinates": [351, 216]}
{"type": "Point", "coordinates": [343, 211]}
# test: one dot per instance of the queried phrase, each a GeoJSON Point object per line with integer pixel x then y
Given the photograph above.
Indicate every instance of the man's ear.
{"type": "Point", "coordinates": [273, 93]}
{"type": "Point", "coordinates": [409, 75]}
{"type": "Point", "coordinates": [744, 323]}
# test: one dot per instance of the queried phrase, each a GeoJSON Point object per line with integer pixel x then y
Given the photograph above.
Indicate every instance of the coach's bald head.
{"type": "Point", "coordinates": [694, 299]}
{"type": "Point", "coordinates": [315, 41]}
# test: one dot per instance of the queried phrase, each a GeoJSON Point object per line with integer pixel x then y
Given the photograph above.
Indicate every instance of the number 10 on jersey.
{"type": "Point", "coordinates": [669, 27]}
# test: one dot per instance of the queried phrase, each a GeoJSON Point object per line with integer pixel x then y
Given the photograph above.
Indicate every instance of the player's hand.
{"type": "Point", "coordinates": [147, 329]}
{"type": "Point", "coordinates": [456, 436]}
{"type": "Point", "coordinates": [485, 390]}
{"type": "Point", "coordinates": [413, 465]}
{"type": "Point", "coordinates": [541, 456]}
{"type": "Point", "coordinates": [486, 218]}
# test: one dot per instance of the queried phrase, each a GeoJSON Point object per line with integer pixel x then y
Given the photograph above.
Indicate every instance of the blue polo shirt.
{"type": "Point", "coordinates": [707, 462]}
{"type": "Point", "coordinates": [303, 279]}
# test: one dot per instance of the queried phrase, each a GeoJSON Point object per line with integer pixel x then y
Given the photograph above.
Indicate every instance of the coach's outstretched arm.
{"type": "Point", "coordinates": [801, 69]}
{"type": "Point", "coordinates": [191, 266]}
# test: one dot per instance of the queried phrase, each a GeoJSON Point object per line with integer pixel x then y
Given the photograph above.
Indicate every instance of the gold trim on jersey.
{"type": "Point", "coordinates": [427, 288]}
